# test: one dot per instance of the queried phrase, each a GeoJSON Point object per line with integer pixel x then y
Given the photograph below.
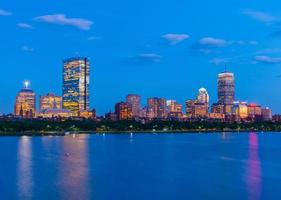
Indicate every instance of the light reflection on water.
{"type": "Point", "coordinates": [253, 169]}
{"type": "Point", "coordinates": [142, 166]}
{"type": "Point", "coordinates": [74, 179]}
{"type": "Point", "coordinates": [24, 171]}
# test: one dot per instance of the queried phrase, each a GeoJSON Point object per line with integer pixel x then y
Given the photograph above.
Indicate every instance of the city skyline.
{"type": "Point", "coordinates": [165, 55]}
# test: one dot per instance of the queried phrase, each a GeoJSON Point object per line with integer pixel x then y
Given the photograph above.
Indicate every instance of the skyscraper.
{"type": "Point", "coordinates": [226, 91]}
{"type": "Point", "coordinates": [203, 96]}
{"type": "Point", "coordinates": [134, 101]}
{"type": "Point", "coordinates": [76, 80]}
{"type": "Point", "coordinates": [158, 106]}
{"type": "Point", "coordinates": [25, 105]}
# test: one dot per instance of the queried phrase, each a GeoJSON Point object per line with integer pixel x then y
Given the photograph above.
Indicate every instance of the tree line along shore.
{"type": "Point", "coordinates": [55, 127]}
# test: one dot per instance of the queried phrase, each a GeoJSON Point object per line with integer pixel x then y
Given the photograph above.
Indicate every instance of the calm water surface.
{"type": "Point", "coordinates": [144, 166]}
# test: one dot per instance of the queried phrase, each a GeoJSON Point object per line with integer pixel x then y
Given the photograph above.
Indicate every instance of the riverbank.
{"type": "Point", "coordinates": [65, 133]}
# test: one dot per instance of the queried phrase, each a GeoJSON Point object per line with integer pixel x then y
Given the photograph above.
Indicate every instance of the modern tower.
{"type": "Point", "coordinates": [203, 96]}
{"type": "Point", "coordinates": [25, 105]}
{"type": "Point", "coordinates": [226, 90]}
{"type": "Point", "coordinates": [76, 80]}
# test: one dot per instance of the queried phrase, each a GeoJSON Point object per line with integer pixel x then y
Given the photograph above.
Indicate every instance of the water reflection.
{"type": "Point", "coordinates": [74, 178]}
{"type": "Point", "coordinates": [24, 170]}
{"type": "Point", "coordinates": [253, 169]}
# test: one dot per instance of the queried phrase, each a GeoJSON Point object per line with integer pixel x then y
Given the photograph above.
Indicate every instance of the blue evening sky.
{"type": "Point", "coordinates": [153, 48]}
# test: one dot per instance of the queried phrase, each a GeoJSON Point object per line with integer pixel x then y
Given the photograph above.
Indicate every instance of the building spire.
{"type": "Point", "coordinates": [26, 84]}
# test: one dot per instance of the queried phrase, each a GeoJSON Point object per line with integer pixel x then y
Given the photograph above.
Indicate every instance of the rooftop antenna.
{"type": "Point", "coordinates": [225, 67]}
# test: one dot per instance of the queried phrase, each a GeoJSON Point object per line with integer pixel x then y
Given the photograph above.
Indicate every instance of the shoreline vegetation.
{"type": "Point", "coordinates": [36, 127]}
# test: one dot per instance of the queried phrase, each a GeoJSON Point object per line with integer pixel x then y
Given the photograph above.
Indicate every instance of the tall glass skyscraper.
{"type": "Point", "coordinates": [226, 90]}
{"type": "Point", "coordinates": [76, 81]}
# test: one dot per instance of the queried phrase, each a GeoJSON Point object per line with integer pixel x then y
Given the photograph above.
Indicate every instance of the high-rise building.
{"type": "Point", "coordinates": [226, 91]}
{"type": "Point", "coordinates": [76, 80]}
{"type": "Point", "coordinates": [123, 110]}
{"type": "Point", "coordinates": [134, 101]}
{"type": "Point", "coordinates": [25, 105]}
{"type": "Point", "coordinates": [158, 105]}
{"type": "Point", "coordinates": [50, 101]}
{"type": "Point", "coordinates": [203, 96]}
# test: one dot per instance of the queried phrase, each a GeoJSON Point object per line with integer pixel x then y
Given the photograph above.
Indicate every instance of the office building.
{"type": "Point", "coordinates": [25, 105]}
{"type": "Point", "coordinates": [226, 91]}
{"type": "Point", "coordinates": [76, 80]}
{"type": "Point", "coordinates": [50, 101]}
{"type": "Point", "coordinates": [123, 110]}
{"type": "Point", "coordinates": [240, 109]}
{"type": "Point", "coordinates": [158, 106]}
{"type": "Point", "coordinates": [266, 114]}
{"type": "Point", "coordinates": [135, 102]}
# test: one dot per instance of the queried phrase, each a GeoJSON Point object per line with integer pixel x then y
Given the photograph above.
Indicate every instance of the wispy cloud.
{"type": "Point", "coordinates": [25, 26]}
{"type": "Point", "coordinates": [269, 51]}
{"type": "Point", "coordinates": [92, 38]}
{"type": "Point", "coordinates": [145, 58]}
{"type": "Point", "coordinates": [61, 19]}
{"type": "Point", "coordinates": [268, 59]}
{"type": "Point", "coordinates": [174, 38]}
{"type": "Point", "coordinates": [5, 13]}
{"type": "Point", "coordinates": [27, 48]}
{"type": "Point", "coordinates": [263, 17]}
{"type": "Point", "coordinates": [218, 61]}
{"type": "Point", "coordinates": [210, 41]}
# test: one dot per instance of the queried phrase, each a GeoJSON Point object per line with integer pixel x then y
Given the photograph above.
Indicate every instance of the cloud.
{"type": "Point", "coordinates": [61, 19]}
{"type": "Point", "coordinates": [268, 59]}
{"type": "Point", "coordinates": [210, 41]}
{"type": "Point", "coordinates": [24, 26]}
{"type": "Point", "coordinates": [218, 61]}
{"type": "Point", "coordinates": [5, 13]}
{"type": "Point", "coordinates": [242, 42]}
{"type": "Point", "coordinates": [27, 48]}
{"type": "Point", "coordinates": [92, 38]}
{"type": "Point", "coordinates": [173, 38]}
{"type": "Point", "coordinates": [269, 51]}
{"type": "Point", "coordinates": [145, 58]}
{"type": "Point", "coordinates": [261, 16]}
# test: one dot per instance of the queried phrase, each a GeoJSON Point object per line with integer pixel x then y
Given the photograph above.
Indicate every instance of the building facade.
{"type": "Point", "coordinates": [195, 109]}
{"type": "Point", "coordinates": [25, 105]}
{"type": "Point", "coordinates": [158, 106]}
{"type": "Point", "coordinates": [226, 91]}
{"type": "Point", "coordinates": [76, 81]}
{"type": "Point", "coordinates": [123, 110]}
{"type": "Point", "coordinates": [50, 101]}
{"type": "Point", "coordinates": [135, 101]}
{"type": "Point", "coordinates": [174, 109]}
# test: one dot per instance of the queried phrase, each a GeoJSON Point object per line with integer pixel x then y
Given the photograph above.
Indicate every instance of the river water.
{"type": "Point", "coordinates": [142, 166]}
